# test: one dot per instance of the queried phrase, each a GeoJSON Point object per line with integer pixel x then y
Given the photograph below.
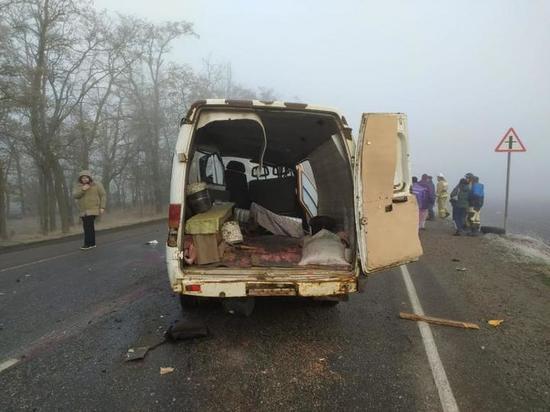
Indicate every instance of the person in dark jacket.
{"type": "Point", "coordinates": [477, 197]}
{"type": "Point", "coordinates": [422, 199]}
{"type": "Point", "coordinates": [428, 183]}
{"type": "Point", "coordinates": [460, 200]}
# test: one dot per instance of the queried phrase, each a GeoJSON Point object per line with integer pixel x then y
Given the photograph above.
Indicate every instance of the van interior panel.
{"type": "Point", "coordinates": [291, 138]}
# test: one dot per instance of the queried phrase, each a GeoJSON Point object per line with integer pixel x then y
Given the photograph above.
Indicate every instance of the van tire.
{"type": "Point", "coordinates": [189, 302]}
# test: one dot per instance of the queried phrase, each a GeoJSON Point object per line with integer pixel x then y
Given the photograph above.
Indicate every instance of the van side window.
{"type": "Point", "coordinates": [211, 169]}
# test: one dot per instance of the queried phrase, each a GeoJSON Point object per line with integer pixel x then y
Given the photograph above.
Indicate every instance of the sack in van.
{"type": "Point", "coordinates": [323, 248]}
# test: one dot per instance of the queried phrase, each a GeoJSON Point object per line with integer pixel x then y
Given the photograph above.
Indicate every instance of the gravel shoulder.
{"type": "Point", "coordinates": [505, 367]}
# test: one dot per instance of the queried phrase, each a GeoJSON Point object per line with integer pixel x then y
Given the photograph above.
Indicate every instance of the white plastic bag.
{"type": "Point", "coordinates": [323, 248]}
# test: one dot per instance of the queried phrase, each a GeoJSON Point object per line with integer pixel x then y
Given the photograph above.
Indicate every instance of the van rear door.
{"type": "Point", "coordinates": [386, 213]}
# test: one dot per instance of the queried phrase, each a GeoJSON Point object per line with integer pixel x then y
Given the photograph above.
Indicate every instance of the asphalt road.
{"type": "Point", "coordinates": [68, 317]}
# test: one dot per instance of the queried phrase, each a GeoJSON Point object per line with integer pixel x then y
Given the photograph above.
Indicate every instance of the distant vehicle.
{"type": "Point", "coordinates": [296, 161]}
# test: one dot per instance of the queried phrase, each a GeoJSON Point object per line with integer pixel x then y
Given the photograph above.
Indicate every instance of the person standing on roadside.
{"type": "Point", "coordinates": [428, 183]}
{"type": "Point", "coordinates": [460, 199]}
{"type": "Point", "coordinates": [422, 199]}
{"type": "Point", "coordinates": [91, 199]}
{"type": "Point", "coordinates": [477, 196]}
{"type": "Point", "coordinates": [442, 196]}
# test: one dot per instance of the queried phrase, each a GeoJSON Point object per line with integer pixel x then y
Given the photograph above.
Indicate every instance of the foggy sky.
{"type": "Point", "coordinates": [463, 71]}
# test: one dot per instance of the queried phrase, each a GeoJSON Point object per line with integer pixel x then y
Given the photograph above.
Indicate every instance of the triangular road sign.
{"type": "Point", "coordinates": [510, 142]}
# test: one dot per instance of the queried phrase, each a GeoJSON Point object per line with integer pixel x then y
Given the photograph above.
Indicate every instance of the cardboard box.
{"type": "Point", "coordinates": [208, 248]}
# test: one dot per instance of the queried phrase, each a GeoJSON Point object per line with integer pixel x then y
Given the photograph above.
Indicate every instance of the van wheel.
{"type": "Point", "coordinates": [189, 302]}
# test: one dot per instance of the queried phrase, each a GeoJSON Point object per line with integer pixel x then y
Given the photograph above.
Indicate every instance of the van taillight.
{"type": "Point", "coordinates": [174, 213]}
{"type": "Point", "coordinates": [192, 288]}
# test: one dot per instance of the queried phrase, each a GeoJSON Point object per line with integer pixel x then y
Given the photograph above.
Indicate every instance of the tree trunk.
{"type": "Point", "coordinates": [3, 209]}
{"type": "Point", "coordinates": [20, 186]}
{"type": "Point", "coordinates": [59, 191]}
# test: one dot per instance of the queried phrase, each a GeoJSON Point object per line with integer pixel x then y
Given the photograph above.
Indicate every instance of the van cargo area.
{"type": "Point", "coordinates": [268, 189]}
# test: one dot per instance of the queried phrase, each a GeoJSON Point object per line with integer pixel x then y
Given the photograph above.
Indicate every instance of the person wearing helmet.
{"type": "Point", "coordinates": [91, 199]}
{"type": "Point", "coordinates": [442, 196]}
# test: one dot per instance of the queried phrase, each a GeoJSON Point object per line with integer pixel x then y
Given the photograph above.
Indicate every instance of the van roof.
{"type": "Point", "coordinates": [278, 104]}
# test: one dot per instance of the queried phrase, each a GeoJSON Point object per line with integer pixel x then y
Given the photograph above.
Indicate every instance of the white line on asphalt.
{"type": "Point", "coordinates": [34, 262]}
{"type": "Point", "coordinates": [8, 364]}
{"type": "Point", "coordinates": [38, 261]}
{"type": "Point", "coordinates": [448, 401]}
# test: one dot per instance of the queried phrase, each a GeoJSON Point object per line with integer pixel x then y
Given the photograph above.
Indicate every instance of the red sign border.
{"type": "Point", "coordinates": [511, 129]}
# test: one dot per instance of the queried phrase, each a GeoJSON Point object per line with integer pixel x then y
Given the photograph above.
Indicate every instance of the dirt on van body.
{"type": "Point", "coordinates": [494, 278]}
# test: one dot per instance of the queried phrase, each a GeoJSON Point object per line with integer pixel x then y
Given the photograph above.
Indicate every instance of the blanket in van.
{"type": "Point", "coordinates": [276, 224]}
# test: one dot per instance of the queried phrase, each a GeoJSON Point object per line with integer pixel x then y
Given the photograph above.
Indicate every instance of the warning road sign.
{"type": "Point", "coordinates": [510, 142]}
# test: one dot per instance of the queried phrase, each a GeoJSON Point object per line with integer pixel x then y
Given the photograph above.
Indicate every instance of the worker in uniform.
{"type": "Point", "coordinates": [442, 195]}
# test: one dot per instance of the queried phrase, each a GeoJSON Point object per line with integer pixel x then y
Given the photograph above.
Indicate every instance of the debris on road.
{"type": "Point", "coordinates": [144, 345]}
{"type": "Point", "coordinates": [495, 322]}
{"type": "Point", "coordinates": [152, 242]}
{"type": "Point", "coordinates": [455, 260]}
{"type": "Point", "coordinates": [461, 269]}
{"type": "Point", "coordinates": [164, 371]}
{"type": "Point", "coordinates": [438, 321]}
{"type": "Point", "coordinates": [186, 329]}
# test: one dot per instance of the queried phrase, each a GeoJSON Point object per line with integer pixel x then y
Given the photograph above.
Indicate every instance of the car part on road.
{"type": "Point", "coordinates": [187, 328]}
{"type": "Point", "coordinates": [493, 229]}
{"type": "Point", "coordinates": [142, 346]}
{"type": "Point", "coordinates": [438, 321]}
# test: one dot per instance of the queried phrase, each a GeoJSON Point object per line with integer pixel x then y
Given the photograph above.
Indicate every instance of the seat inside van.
{"type": "Point", "coordinates": [264, 155]}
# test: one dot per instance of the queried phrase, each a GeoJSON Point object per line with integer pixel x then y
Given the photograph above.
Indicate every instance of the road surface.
{"type": "Point", "coordinates": [67, 319]}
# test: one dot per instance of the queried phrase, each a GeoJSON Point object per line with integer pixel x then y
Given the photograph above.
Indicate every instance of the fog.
{"type": "Point", "coordinates": [463, 71]}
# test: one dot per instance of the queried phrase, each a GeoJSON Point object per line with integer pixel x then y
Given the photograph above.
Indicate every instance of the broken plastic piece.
{"type": "Point", "coordinates": [495, 322]}
{"type": "Point", "coordinates": [166, 370]}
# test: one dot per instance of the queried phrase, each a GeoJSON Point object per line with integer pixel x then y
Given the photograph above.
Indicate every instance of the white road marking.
{"type": "Point", "coordinates": [35, 262]}
{"type": "Point", "coordinates": [448, 401]}
{"type": "Point", "coordinates": [8, 364]}
{"type": "Point", "coordinates": [38, 261]}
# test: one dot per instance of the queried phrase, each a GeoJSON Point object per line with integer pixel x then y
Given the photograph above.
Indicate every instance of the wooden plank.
{"type": "Point", "coordinates": [438, 321]}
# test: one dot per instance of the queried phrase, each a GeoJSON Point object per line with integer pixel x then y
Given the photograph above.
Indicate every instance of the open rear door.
{"type": "Point", "coordinates": [386, 212]}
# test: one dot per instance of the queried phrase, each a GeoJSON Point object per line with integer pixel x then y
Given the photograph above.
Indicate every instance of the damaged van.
{"type": "Point", "coordinates": [278, 199]}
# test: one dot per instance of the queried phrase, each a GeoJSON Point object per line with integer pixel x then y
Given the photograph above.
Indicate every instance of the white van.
{"type": "Point", "coordinates": [297, 161]}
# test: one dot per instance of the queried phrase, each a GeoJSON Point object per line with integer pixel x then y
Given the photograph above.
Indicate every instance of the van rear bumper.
{"type": "Point", "coordinates": [278, 286]}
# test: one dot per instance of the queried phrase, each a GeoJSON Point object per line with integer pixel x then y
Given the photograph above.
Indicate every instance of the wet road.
{"type": "Point", "coordinates": [68, 318]}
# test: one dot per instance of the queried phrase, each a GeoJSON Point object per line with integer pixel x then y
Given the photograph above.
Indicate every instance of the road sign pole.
{"type": "Point", "coordinates": [507, 190]}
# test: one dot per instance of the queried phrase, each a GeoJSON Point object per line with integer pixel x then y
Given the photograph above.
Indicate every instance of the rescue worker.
{"type": "Point", "coordinates": [460, 199]}
{"type": "Point", "coordinates": [429, 185]}
{"type": "Point", "coordinates": [91, 199]}
{"type": "Point", "coordinates": [477, 196]}
{"type": "Point", "coordinates": [442, 196]}
{"type": "Point", "coordinates": [422, 199]}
